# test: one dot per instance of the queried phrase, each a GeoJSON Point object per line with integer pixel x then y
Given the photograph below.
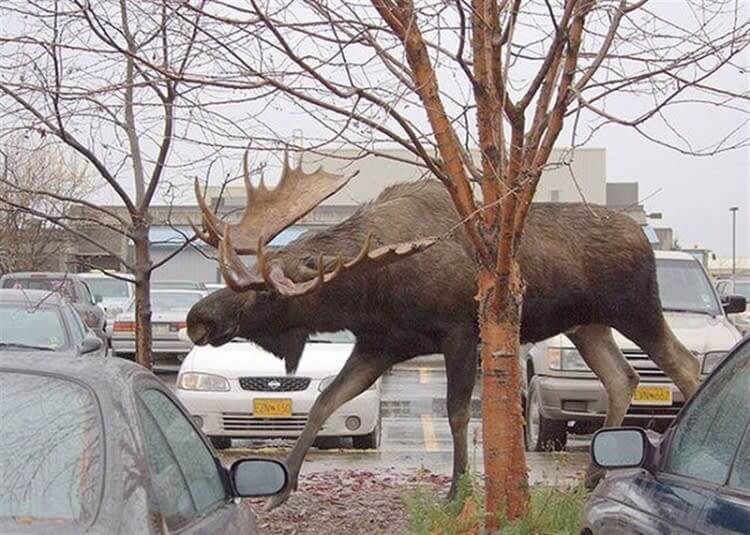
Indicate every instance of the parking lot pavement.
{"type": "Point", "coordinates": [416, 435]}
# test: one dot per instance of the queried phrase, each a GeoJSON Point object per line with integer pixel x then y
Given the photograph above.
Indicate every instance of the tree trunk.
{"type": "Point", "coordinates": [143, 335]}
{"type": "Point", "coordinates": [506, 480]}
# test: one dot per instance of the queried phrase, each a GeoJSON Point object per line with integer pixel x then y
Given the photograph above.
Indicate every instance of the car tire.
{"type": "Point", "coordinates": [370, 441]}
{"type": "Point", "coordinates": [221, 443]}
{"type": "Point", "coordinates": [540, 433]}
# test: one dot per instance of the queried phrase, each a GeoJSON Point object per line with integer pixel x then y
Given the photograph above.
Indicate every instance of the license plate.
{"type": "Point", "coordinates": [652, 395]}
{"type": "Point", "coordinates": [272, 407]}
{"type": "Point", "coordinates": [160, 329]}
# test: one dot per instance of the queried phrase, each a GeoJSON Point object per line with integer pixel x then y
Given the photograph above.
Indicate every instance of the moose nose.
{"type": "Point", "coordinates": [199, 334]}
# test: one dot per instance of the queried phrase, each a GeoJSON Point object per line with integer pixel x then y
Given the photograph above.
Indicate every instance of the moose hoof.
{"type": "Point", "coordinates": [274, 501]}
{"type": "Point", "coordinates": [593, 476]}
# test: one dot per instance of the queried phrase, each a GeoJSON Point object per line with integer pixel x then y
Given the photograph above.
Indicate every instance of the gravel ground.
{"type": "Point", "coordinates": [348, 502]}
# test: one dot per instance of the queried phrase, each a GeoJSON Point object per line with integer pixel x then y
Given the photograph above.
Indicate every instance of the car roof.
{"type": "Point", "coordinates": [115, 275]}
{"type": "Point", "coordinates": [12, 295]}
{"type": "Point", "coordinates": [177, 291]}
{"type": "Point", "coordinates": [41, 275]}
{"type": "Point", "coordinates": [674, 255]}
{"type": "Point", "coordinates": [96, 372]}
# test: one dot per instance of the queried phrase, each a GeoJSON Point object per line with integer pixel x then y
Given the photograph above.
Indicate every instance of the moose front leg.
{"type": "Point", "coordinates": [460, 351]}
{"type": "Point", "coordinates": [361, 370]}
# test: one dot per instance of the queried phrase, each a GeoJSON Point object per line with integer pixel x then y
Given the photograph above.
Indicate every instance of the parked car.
{"type": "Point", "coordinates": [729, 288]}
{"type": "Point", "coordinates": [563, 395]}
{"type": "Point", "coordinates": [178, 285]}
{"type": "Point", "coordinates": [112, 292]}
{"type": "Point", "coordinates": [68, 285]}
{"type": "Point", "coordinates": [239, 390]}
{"type": "Point", "coordinates": [695, 479]}
{"type": "Point", "coordinates": [38, 321]}
{"type": "Point", "coordinates": [169, 312]}
{"type": "Point", "coordinates": [101, 446]}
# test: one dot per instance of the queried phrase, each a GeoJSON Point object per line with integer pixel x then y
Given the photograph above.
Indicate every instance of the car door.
{"type": "Point", "coordinates": [698, 454]}
{"type": "Point", "coordinates": [186, 480]}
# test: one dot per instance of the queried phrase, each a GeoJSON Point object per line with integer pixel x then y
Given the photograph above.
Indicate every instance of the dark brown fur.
{"type": "Point", "coordinates": [582, 265]}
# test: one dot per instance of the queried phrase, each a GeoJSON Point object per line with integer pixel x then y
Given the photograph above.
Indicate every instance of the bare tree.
{"type": "Point", "coordinates": [39, 178]}
{"type": "Point", "coordinates": [70, 76]}
{"type": "Point", "coordinates": [439, 79]}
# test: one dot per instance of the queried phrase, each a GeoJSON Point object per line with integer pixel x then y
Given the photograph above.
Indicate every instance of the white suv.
{"type": "Point", "coordinates": [563, 395]}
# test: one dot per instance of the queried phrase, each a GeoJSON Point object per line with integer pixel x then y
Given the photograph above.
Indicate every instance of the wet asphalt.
{"type": "Point", "coordinates": [416, 434]}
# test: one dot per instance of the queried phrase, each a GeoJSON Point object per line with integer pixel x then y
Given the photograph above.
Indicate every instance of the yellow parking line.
{"type": "Point", "coordinates": [430, 441]}
{"type": "Point", "coordinates": [424, 376]}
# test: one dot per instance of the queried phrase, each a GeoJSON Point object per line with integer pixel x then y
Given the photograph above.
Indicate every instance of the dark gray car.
{"type": "Point", "coordinates": [70, 286]}
{"type": "Point", "coordinates": [42, 321]}
{"type": "Point", "coordinates": [101, 446]}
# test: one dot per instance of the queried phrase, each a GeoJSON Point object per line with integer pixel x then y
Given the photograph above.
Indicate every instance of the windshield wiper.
{"type": "Point", "coordinates": [26, 346]}
{"type": "Point", "coordinates": [690, 310]}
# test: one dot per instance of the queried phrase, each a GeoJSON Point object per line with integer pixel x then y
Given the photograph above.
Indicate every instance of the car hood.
{"type": "Point", "coordinates": [699, 333]}
{"type": "Point", "coordinates": [242, 359]}
{"type": "Point", "coordinates": [21, 354]}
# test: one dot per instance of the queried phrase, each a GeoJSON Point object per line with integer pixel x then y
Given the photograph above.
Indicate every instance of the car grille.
{"type": "Point", "coordinates": [645, 366]}
{"type": "Point", "coordinates": [242, 421]}
{"type": "Point", "coordinates": [275, 384]}
{"type": "Point", "coordinates": [656, 411]}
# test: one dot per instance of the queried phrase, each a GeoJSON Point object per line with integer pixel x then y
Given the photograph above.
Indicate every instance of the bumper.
{"type": "Point", "coordinates": [160, 346]}
{"type": "Point", "coordinates": [584, 399]}
{"type": "Point", "coordinates": [231, 413]}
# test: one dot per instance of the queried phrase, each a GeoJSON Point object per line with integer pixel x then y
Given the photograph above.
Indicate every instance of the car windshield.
{"type": "Point", "coordinates": [164, 301]}
{"type": "Point", "coordinates": [29, 327]}
{"type": "Point", "coordinates": [684, 287]}
{"type": "Point", "coordinates": [50, 450]}
{"type": "Point", "coordinates": [64, 287]}
{"type": "Point", "coordinates": [339, 337]}
{"type": "Point", "coordinates": [108, 288]}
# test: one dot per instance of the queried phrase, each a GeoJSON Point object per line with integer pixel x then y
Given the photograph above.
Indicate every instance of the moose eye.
{"type": "Point", "coordinates": [310, 262]}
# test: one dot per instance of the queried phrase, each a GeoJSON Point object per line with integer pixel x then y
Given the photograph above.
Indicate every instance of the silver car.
{"type": "Point", "coordinates": [169, 313]}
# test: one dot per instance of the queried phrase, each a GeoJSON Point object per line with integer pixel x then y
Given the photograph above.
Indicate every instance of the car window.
{"type": "Point", "coordinates": [168, 482]}
{"type": "Point", "coordinates": [75, 322]}
{"type": "Point", "coordinates": [193, 457]}
{"type": "Point", "coordinates": [64, 287]}
{"type": "Point", "coordinates": [32, 327]}
{"type": "Point", "coordinates": [684, 286]}
{"type": "Point", "coordinates": [108, 288]}
{"type": "Point", "coordinates": [50, 450]}
{"type": "Point", "coordinates": [740, 478]}
{"type": "Point", "coordinates": [87, 297]}
{"type": "Point", "coordinates": [164, 300]}
{"type": "Point", "coordinates": [710, 429]}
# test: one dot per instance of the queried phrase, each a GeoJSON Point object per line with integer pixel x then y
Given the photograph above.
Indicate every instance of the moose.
{"type": "Point", "coordinates": [400, 275]}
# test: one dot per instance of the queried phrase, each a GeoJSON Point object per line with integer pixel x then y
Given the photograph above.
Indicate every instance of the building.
{"type": "Point", "coordinates": [571, 176]}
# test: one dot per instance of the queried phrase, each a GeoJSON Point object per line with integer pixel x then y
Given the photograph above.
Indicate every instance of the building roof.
{"type": "Point", "coordinates": [175, 236]}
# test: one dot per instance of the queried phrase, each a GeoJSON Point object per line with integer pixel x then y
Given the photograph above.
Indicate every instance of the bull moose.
{"type": "Point", "coordinates": [400, 274]}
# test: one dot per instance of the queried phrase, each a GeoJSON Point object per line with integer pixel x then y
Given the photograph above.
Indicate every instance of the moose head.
{"type": "Point", "coordinates": [272, 303]}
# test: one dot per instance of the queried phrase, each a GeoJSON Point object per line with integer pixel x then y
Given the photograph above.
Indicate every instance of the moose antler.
{"type": "Point", "coordinates": [271, 275]}
{"type": "Point", "coordinates": [269, 211]}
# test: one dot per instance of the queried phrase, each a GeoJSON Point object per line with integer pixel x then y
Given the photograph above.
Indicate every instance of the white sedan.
{"type": "Point", "coordinates": [239, 390]}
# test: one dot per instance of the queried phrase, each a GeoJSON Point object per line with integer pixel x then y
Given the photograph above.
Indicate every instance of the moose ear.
{"type": "Point", "coordinates": [309, 267]}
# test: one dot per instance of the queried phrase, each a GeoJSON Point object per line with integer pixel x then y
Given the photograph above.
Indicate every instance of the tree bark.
{"type": "Point", "coordinates": [143, 334]}
{"type": "Point", "coordinates": [506, 480]}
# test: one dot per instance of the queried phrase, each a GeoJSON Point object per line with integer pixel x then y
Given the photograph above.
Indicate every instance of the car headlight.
{"type": "Point", "coordinates": [205, 382]}
{"type": "Point", "coordinates": [563, 359]}
{"type": "Point", "coordinates": [712, 359]}
{"type": "Point", "coordinates": [328, 380]}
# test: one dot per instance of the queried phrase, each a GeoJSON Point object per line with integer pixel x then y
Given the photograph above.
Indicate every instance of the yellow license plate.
{"type": "Point", "coordinates": [272, 407]}
{"type": "Point", "coordinates": [652, 395]}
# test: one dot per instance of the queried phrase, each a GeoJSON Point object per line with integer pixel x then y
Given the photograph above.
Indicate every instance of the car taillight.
{"type": "Point", "coordinates": [176, 326]}
{"type": "Point", "coordinates": [124, 326]}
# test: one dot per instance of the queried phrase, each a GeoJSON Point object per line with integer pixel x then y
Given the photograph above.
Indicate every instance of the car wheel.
{"type": "Point", "coordinates": [221, 443]}
{"type": "Point", "coordinates": [370, 441]}
{"type": "Point", "coordinates": [542, 434]}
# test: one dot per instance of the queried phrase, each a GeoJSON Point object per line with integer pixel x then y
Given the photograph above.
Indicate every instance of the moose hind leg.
{"type": "Point", "coordinates": [361, 370]}
{"type": "Point", "coordinates": [460, 351]}
{"type": "Point", "coordinates": [599, 350]}
{"type": "Point", "coordinates": [667, 352]}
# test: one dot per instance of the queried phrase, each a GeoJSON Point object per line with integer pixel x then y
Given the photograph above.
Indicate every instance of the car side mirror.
{"type": "Point", "coordinates": [622, 447]}
{"type": "Point", "coordinates": [91, 343]}
{"type": "Point", "coordinates": [734, 304]}
{"type": "Point", "coordinates": [254, 478]}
